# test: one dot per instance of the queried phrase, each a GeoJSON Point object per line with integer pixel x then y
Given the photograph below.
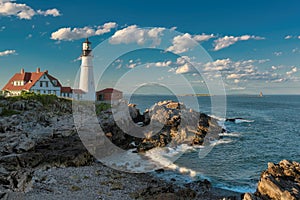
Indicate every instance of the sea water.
{"type": "Point", "coordinates": [268, 132]}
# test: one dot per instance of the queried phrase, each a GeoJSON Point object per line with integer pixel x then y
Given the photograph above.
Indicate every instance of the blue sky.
{"type": "Point", "coordinates": [255, 45]}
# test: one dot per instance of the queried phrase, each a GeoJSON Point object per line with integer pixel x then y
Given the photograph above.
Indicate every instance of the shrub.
{"type": "Point", "coordinates": [45, 99]}
{"type": "Point", "coordinates": [101, 107]}
{"type": "Point", "coordinates": [6, 112]}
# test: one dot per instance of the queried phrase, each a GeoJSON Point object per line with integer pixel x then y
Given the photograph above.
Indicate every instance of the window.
{"type": "Point", "coordinates": [49, 91]}
{"type": "Point", "coordinates": [54, 82]}
{"type": "Point", "coordinates": [54, 92]}
{"type": "Point", "coordinates": [44, 91]}
{"type": "Point", "coordinates": [46, 83]}
{"type": "Point", "coordinates": [41, 84]}
{"type": "Point", "coordinates": [44, 76]}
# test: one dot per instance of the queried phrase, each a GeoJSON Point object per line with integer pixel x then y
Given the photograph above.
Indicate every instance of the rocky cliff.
{"type": "Point", "coordinates": [40, 133]}
{"type": "Point", "coordinates": [279, 182]}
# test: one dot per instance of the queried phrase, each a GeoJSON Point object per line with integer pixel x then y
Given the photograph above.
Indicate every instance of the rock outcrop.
{"type": "Point", "coordinates": [37, 134]}
{"type": "Point", "coordinates": [34, 135]}
{"type": "Point", "coordinates": [279, 182]}
{"type": "Point", "coordinates": [170, 123]}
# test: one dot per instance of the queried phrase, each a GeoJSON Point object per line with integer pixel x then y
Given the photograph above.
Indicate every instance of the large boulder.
{"type": "Point", "coordinates": [166, 123]}
{"type": "Point", "coordinates": [279, 182]}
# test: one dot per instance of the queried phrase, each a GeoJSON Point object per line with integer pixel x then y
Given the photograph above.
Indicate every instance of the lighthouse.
{"type": "Point", "coordinates": [86, 81]}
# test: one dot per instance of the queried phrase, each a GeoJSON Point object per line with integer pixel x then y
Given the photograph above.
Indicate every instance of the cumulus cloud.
{"type": "Point", "coordinates": [183, 69]}
{"type": "Point", "coordinates": [50, 12]}
{"type": "Point", "coordinates": [7, 52]}
{"type": "Point", "coordinates": [184, 65]}
{"type": "Point", "coordinates": [240, 71]}
{"type": "Point", "coordinates": [185, 42]}
{"type": "Point", "coordinates": [23, 11]}
{"type": "Point", "coordinates": [134, 34]}
{"type": "Point", "coordinates": [227, 41]}
{"type": "Point", "coordinates": [69, 34]}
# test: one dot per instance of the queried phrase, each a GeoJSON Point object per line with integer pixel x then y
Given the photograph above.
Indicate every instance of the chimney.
{"type": "Point", "coordinates": [22, 71]}
{"type": "Point", "coordinates": [38, 70]}
{"type": "Point", "coordinates": [46, 71]}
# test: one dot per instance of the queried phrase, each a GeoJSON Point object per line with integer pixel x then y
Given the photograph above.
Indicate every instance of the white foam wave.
{"type": "Point", "coordinates": [230, 134]}
{"type": "Point", "coordinates": [220, 121]}
{"type": "Point", "coordinates": [222, 141]}
{"type": "Point", "coordinates": [237, 121]}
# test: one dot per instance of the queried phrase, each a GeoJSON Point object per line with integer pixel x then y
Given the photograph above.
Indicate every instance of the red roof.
{"type": "Point", "coordinates": [30, 78]}
{"type": "Point", "coordinates": [108, 90]}
{"type": "Point", "coordinates": [66, 89]}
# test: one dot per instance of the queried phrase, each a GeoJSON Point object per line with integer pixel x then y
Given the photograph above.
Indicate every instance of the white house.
{"type": "Point", "coordinates": [38, 82]}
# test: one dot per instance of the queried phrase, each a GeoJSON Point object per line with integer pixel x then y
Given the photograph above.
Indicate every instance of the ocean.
{"type": "Point", "coordinates": [269, 132]}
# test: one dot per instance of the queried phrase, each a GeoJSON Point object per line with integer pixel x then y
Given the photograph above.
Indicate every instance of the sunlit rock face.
{"type": "Point", "coordinates": [279, 182]}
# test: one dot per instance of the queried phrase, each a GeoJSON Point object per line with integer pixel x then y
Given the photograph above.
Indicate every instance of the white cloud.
{"type": "Point", "coordinates": [203, 37]}
{"type": "Point", "coordinates": [163, 64]}
{"type": "Point", "coordinates": [29, 36]}
{"type": "Point", "coordinates": [227, 41]}
{"type": "Point", "coordinates": [7, 52]}
{"type": "Point", "coordinates": [241, 71]}
{"type": "Point", "coordinates": [185, 42]}
{"type": "Point", "coordinates": [184, 65]}
{"type": "Point", "coordinates": [23, 11]}
{"type": "Point", "coordinates": [292, 71]}
{"type": "Point", "coordinates": [183, 69]}
{"type": "Point", "coordinates": [238, 88]}
{"type": "Point", "coordinates": [278, 53]}
{"type": "Point", "coordinates": [288, 37]}
{"type": "Point", "coordinates": [50, 12]}
{"type": "Point", "coordinates": [182, 43]}
{"type": "Point", "coordinates": [68, 34]}
{"type": "Point", "coordinates": [134, 34]}
{"type": "Point", "coordinates": [133, 63]}
{"type": "Point", "coordinates": [292, 37]}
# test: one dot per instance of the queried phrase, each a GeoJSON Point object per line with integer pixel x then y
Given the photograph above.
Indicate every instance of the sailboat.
{"type": "Point", "coordinates": [260, 94]}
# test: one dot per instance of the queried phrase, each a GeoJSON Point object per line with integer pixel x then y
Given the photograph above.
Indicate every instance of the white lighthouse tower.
{"type": "Point", "coordinates": [86, 82]}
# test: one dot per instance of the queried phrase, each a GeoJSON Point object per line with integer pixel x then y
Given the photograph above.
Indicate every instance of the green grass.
{"type": "Point", "coordinates": [6, 112]}
{"type": "Point", "coordinates": [45, 99]}
{"type": "Point", "coordinates": [101, 107]}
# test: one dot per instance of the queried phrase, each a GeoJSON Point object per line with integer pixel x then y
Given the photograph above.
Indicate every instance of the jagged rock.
{"type": "Point", "coordinates": [26, 144]}
{"type": "Point", "coordinates": [249, 196]}
{"type": "Point", "coordinates": [279, 182]}
{"type": "Point", "coordinates": [171, 122]}
{"type": "Point", "coordinates": [19, 105]}
{"type": "Point", "coordinates": [21, 181]}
